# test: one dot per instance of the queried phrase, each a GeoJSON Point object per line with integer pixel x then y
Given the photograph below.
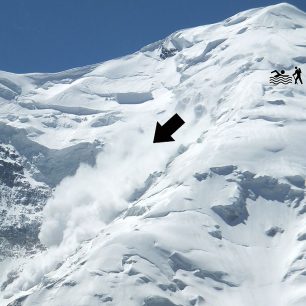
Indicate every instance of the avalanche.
{"type": "Point", "coordinates": [215, 218]}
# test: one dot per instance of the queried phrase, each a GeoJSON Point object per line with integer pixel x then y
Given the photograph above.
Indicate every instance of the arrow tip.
{"type": "Point", "coordinates": [161, 135]}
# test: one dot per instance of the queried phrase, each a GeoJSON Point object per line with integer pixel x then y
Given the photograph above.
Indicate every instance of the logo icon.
{"type": "Point", "coordinates": [280, 78]}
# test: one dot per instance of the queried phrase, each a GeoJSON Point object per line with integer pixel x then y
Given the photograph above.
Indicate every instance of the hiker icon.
{"type": "Point", "coordinates": [297, 73]}
{"type": "Point", "coordinates": [280, 78]}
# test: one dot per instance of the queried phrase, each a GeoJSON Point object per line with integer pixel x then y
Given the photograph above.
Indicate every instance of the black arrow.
{"type": "Point", "coordinates": [163, 132]}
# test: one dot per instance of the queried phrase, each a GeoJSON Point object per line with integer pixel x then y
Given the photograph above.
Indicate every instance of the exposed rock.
{"type": "Point", "coordinates": [216, 234]}
{"type": "Point", "coordinates": [158, 301]}
{"type": "Point", "coordinates": [225, 170]}
{"type": "Point", "coordinates": [201, 176]}
{"type": "Point", "coordinates": [271, 232]}
{"type": "Point", "coordinates": [235, 213]}
{"type": "Point", "coordinates": [296, 180]}
{"type": "Point", "coordinates": [301, 237]}
{"type": "Point", "coordinates": [17, 193]}
{"type": "Point", "coordinates": [165, 53]}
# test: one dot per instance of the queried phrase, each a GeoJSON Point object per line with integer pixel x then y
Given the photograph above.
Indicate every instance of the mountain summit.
{"type": "Point", "coordinates": [93, 213]}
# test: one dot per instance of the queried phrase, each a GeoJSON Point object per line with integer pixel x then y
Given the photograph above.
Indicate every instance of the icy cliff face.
{"type": "Point", "coordinates": [215, 218]}
{"type": "Point", "coordinates": [22, 200]}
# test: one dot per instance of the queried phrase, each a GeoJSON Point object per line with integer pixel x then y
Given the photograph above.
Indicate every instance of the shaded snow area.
{"type": "Point", "coordinates": [93, 213]}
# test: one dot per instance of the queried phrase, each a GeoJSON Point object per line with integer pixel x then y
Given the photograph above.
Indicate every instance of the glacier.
{"type": "Point", "coordinates": [93, 213]}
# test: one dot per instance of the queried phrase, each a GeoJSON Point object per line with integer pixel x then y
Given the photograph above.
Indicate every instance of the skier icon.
{"type": "Point", "coordinates": [297, 73]}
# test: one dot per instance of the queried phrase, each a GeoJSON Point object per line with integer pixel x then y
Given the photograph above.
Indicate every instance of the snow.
{"type": "Point", "coordinates": [215, 218]}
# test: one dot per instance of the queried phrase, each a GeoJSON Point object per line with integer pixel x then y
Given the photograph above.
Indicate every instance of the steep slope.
{"type": "Point", "coordinates": [216, 218]}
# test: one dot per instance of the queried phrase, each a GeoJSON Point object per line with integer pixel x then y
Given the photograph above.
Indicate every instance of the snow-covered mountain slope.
{"type": "Point", "coordinates": [215, 218]}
